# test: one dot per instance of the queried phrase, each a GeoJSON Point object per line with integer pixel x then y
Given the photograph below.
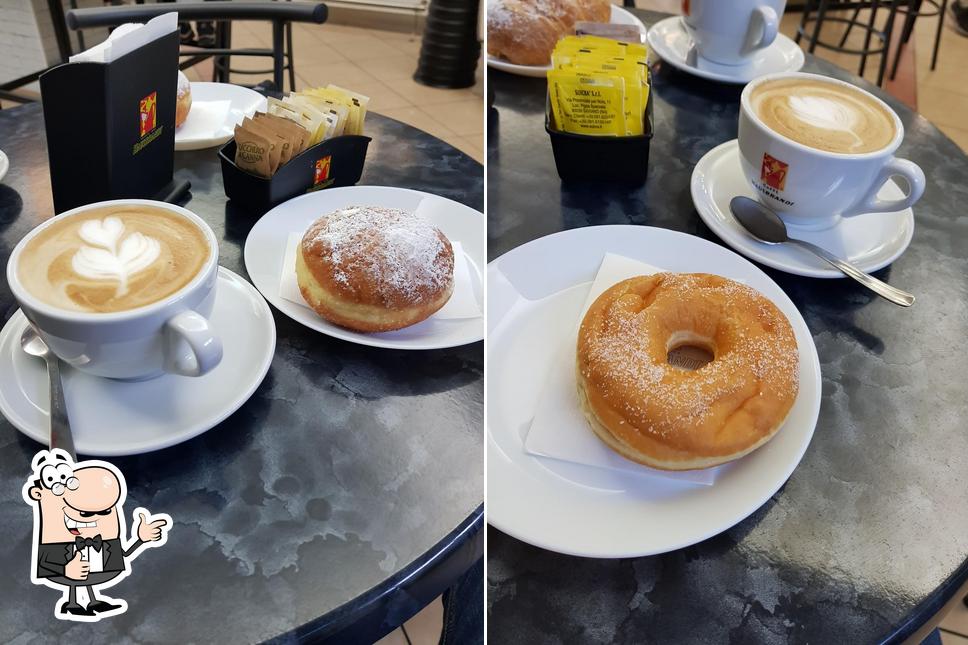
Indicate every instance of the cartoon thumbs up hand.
{"type": "Point", "coordinates": [153, 528]}
{"type": "Point", "coordinates": [77, 569]}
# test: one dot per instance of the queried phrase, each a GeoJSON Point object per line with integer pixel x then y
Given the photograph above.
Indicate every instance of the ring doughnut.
{"type": "Point", "coordinates": [671, 418]}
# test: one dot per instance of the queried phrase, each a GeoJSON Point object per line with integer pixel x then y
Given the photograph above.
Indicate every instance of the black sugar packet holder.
{"type": "Point", "coordinates": [328, 164]}
{"type": "Point", "coordinates": [583, 157]}
{"type": "Point", "coordinates": [111, 127]}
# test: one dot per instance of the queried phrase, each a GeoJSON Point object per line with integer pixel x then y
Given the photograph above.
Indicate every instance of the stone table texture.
{"type": "Point", "coordinates": [350, 467]}
{"type": "Point", "coordinates": [869, 536]}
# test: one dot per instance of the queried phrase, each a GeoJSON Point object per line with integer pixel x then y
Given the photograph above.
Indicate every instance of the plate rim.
{"type": "Point", "coordinates": [747, 510]}
{"type": "Point", "coordinates": [704, 204]}
{"type": "Point", "coordinates": [713, 76]}
{"type": "Point", "coordinates": [145, 447]}
{"type": "Point", "coordinates": [349, 336]}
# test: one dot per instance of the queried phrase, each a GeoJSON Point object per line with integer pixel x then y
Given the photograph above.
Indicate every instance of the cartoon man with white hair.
{"type": "Point", "coordinates": [78, 531]}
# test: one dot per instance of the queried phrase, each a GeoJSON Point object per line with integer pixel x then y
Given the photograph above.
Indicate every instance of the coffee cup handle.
{"type": "Point", "coordinates": [770, 23]}
{"type": "Point", "coordinates": [191, 329]}
{"type": "Point", "coordinates": [894, 167]}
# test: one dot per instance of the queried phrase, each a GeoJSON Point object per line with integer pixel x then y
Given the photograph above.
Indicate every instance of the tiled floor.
{"type": "Point", "coordinates": [379, 64]}
{"type": "Point", "coordinates": [954, 626]}
{"type": "Point", "coordinates": [422, 629]}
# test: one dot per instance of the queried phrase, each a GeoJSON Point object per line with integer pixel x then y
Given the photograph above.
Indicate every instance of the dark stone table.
{"type": "Point", "coordinates": [344, 496]}
{"type": "Point", "coordinates": [869, 536]}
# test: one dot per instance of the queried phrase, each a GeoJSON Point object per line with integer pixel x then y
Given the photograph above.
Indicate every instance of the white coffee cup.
{"type": "Point", "coordinates": [169, 335]}
{"type": "Point", "coordinates": [819, 187]}
{"type": "Point", "coordinates": [729, 32]}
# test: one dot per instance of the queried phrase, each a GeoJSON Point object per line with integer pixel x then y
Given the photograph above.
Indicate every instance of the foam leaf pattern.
{"type": "Point", "coordinates": [108, 255]}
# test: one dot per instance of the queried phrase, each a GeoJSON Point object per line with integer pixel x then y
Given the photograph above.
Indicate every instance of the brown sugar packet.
{"type": "Point", "coordinates": [298, 134]}
{"type": "Point", "coordinates": [252, 152]}
{"type": "Point", "coordinates": [283, 136]}
{"type": "Point", "coordinates": [275, 145]}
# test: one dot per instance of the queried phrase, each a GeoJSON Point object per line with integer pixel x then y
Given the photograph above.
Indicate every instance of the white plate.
{"type": "Point", "coordinates": [244, 102]}
{"type": "Point", "coordinates": [535, 294]}
{"type": "Point", "coordinates": [619, 16]}
{"type": "Point", "coordinates": [114, 418]}
{"type": "Point", "coordinates": [265, 249]}
{"type": "Point", "coordinates": [871, 241]}
{"type": "Point", "coordinates": [671, 41]}
{"type": "Point", "coordinates": [4, 164]}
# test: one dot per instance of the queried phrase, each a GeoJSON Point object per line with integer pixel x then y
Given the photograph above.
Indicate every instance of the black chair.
{"type": "Point", "coordinates": [823, 9]}
{"type": "Point", "coordinates": [912, 12]}
{"type": "Point", "coordinates": [280, 14]}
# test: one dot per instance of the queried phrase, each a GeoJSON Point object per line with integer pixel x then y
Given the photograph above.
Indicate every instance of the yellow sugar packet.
{"type": "Point", "coordinates": [354, 120]}
{"type": "Point", "coordinates": [317, 120]}
{"type": "Point", "coordinates": [587, 104]}
{"type": "Point", "coordinates": [278, 108]}
{"type": "Point", "coordinates": [337, 111]}
{"type": "Point", "coordinates": [358, 99]}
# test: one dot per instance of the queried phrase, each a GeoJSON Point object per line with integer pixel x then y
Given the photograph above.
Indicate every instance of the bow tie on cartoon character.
{"type": "Point", "coordinates": [79, 532]}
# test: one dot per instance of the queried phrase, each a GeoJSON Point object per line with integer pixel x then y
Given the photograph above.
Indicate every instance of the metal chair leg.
{"type": "Point", "coordinates": [278, 37]}
{"type": "Point", "coordinates": [853, 19]}
{"type": "Point", "coordinates": [867, 38]}
{"type": "Point", "coordinates": [888, 31]}
{"type": "Point", "coordinates": [803, 21]}
{"type": "Point", "coordinates": [290, 58]}
{"type": "Point", "coordinates": [937, 35]}
{"type": "Point", "coordinates": [821, 11]}
{"type": "Point", "coordinates": [912, 13]}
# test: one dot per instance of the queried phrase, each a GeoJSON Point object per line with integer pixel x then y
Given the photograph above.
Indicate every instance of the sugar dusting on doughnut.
{"type": "Point", "coordinates": [394, 249]}
{"type": "Point", "coordinates": [668, 417]}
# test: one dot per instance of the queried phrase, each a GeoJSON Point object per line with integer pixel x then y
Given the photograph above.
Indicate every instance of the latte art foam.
{"type": "Point", "coordinates": [825, 116]}
{"type": "Point", "coordinates": [112, 259]}
{"type": "Point", "coordinates": [111, 256]}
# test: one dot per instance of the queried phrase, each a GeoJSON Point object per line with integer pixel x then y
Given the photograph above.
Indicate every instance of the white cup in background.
{"type": "Point", "coordinates": [170, 335]}
{"type": "Point", "coordinates": [729, 32]}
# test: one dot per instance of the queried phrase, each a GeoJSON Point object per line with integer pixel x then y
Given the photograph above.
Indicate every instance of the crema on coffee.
{"type": "Point", "coordinates": [826, 116]}
{"type": "Point", "coordinates": [112, 259]}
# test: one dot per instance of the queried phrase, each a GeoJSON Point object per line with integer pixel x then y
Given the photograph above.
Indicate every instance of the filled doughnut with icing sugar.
{"type": "Point", "coordinates": [671, 418]}
{"type": "Point", "coordinates": [371, 268]}
{"type": "Point", "coordinates": [183, 99]}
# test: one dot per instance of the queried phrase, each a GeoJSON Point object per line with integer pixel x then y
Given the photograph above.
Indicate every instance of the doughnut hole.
{"type": "Point", "coordinates": [689, 351]}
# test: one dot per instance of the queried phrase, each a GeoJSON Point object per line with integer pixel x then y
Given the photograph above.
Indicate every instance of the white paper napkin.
{"type": "Point", "coordinates": [206, 120]}
{"type": "Point", "coordinates": [560, 430]}
{"type": "Point", "coordinates": [128, 37]}
{"type": "Point", "coordinates": [462, 304]}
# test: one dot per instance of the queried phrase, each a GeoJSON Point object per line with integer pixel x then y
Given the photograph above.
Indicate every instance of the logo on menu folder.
{"type": "Point", "coordinates": [773, 172]}
{"type": "Point", "coordinates": [148, 125]}
{"type": "Point", "coordinates": [149, 113]}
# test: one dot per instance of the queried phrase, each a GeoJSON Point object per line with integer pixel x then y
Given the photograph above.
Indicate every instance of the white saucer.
{"type": "Point", "coordinates": [619, 16]}
{"type": "Point", "coordinates": [671, 41]}
{"type": "Point", "coordinates": [4, 164]}
{"type": "Point", "coordinates": [870, 241]}
{"type": "Point", "coordinates": [114, 418]}
{"type": "Point", "coordinates": [244, 102]}
{"type": "Point", "coordinates": [265, 249]}
{"type": "Point", "coordinates": [535, 295]}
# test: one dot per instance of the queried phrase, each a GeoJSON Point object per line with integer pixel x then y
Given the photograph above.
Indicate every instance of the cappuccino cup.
{"type": "Point", "coordinates": [122, 289]}
{"type": "Point", "coordinates": [816, 149]}
{"type": "Point", "coordinates": [729, 33]}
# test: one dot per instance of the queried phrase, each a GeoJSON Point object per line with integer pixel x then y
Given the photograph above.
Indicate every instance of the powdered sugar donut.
{"type": "Point", "coordinates": [370, 268]}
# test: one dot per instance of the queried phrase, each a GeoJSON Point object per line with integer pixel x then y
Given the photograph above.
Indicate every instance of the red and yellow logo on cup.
{"type": "Point", "coordinates": [148, 109]}
{"type": "Point", "coordinates": [773, 172]}
{"type": "Point", "coordinates": [321, 173]}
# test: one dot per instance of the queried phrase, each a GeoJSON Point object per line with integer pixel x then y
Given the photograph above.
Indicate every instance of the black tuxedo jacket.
{"type": "Point", "coordinates": [52, 558]}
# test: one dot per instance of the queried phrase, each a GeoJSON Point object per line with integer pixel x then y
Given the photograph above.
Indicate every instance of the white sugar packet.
{"type": "Point", "coordinates": [206, 120]}
{"type": "Point", "coordinates": [462, 304]}
{"type": "Point", "coordinates": [560, 430]}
